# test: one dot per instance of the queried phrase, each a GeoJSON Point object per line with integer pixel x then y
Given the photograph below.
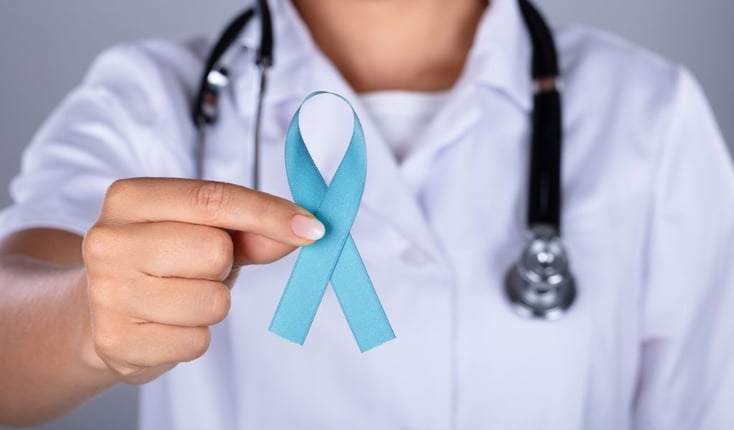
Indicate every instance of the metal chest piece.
{"type": "Point", "coordinates": [540, 285]}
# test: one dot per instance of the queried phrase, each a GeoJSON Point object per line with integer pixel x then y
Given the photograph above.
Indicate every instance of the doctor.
{"type": "Point", "coordinates": [107, 280]}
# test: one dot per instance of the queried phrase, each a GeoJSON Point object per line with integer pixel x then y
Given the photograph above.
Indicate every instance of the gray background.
{"type": "Point", "coordinates": [46, 45]}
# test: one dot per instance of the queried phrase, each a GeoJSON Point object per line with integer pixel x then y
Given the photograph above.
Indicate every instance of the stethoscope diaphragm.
{"type": "Point", "coordinates": [540, 284]}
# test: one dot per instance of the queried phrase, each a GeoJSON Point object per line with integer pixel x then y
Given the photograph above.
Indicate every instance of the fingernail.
{"type": "Point", "coordinates": [307, 227]}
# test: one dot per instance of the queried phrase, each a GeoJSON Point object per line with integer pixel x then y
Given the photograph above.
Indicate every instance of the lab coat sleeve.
{"type": "Point", "coordinates": [102, 131]}
{"type": "Point", "coordinates": [687, 368]}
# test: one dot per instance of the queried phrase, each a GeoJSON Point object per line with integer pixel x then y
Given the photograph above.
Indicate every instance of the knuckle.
{"type": "Point", "coordinates": [219, 252]}
{"type": "Point", "coordinates": [211, 197]}
{"type": "Point", "coordinates": [101, 243]}
{"type": "Point", "coordinates": [199, 339]}
{"type": "Point", "coordinates": [97, 243]}
{"type": "Point", "coordinates": [106, 344]}
{"type": "Point", "coordinates": [100, 295]}
{"type": "Point", "coordinates": [117, 194]}
{"type": "Point", "coordinates": [221, 301]}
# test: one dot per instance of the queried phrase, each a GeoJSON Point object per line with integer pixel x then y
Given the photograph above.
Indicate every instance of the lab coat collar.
{"type": "Point", "coordinates": [387, 195]}
{"type": "Point", "coordinates": [305, 69]}
{"type": "Point", "coordinates": [500, 58]}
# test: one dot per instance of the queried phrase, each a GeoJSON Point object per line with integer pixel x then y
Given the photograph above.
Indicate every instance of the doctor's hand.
{"type": "Point", "coordinates": [160, 261]}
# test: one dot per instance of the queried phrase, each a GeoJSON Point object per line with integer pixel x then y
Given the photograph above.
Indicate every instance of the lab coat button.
{"type": "Point", "coordinates": [415, 257]}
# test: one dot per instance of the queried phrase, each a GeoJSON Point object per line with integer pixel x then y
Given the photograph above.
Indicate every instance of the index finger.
{"type": "Point", "coordinates": [216, 204]}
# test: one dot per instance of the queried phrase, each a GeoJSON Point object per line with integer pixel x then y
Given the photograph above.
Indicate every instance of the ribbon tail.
{"type": "Point", "coordinates": [302, 297]}
{"type": "Point", "coordinates": [359, 301]}
{"type": "Point", "coordinates": [335, 257]}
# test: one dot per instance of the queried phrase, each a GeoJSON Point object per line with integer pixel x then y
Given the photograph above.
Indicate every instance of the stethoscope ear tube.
{"type": "Point", "coordinates": [208, 93]}
{"type": "Point", "coordinates": [216, 78]}
{"type": "Point", "coordinates": [545, 56]}
{"type": "Point", "coordinates": [540, 283]}
{"type": "Point", "coordinates": [265, 51]}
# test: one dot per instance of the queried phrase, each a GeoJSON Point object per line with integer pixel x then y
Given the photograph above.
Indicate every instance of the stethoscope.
{"type": "Point", "coordinates": [539, 284]}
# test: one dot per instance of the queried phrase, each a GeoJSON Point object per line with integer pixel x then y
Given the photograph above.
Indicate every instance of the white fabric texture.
{"type": "Point", "coordinates": [401, 115]}
{"type": "Point", "coordinates": [648, 219]}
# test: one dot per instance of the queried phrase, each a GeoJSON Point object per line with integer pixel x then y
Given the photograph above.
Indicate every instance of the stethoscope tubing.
{"type": "Point", "coordinates": [540, 284]}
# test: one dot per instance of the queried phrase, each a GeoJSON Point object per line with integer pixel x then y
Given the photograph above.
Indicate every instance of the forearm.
{"type": "Point", "coordinates": [47, 360]}
{"type": "Point", "coordinates": [156, 287]}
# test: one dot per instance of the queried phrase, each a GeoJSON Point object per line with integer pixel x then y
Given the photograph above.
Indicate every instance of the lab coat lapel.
{"type": "Point", "coordinates": [448, 127]}
{"type": "Point", "coordinates": [389, 195]}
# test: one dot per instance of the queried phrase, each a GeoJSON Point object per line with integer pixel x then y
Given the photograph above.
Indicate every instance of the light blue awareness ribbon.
{"type": "Point", "coordinates": [334, 257]}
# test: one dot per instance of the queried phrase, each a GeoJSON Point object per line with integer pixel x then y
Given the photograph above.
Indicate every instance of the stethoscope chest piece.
{"type": "Point", "coordinates": [541, 285]}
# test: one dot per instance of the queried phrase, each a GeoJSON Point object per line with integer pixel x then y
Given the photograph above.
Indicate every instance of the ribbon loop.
{"type": "Point", "coordinates": [335, 257]}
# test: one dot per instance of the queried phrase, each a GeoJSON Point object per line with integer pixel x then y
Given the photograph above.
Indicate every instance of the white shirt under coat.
{"type": "Point", "coordinates": [648, 220]}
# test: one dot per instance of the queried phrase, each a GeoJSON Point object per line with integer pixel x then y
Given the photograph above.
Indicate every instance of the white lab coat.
{"type": "Point", "coordinates": [648, 220]}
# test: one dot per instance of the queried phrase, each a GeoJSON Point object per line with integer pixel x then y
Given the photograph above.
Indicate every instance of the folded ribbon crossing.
{"type": "Point", "coordinates": [334, 258]}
